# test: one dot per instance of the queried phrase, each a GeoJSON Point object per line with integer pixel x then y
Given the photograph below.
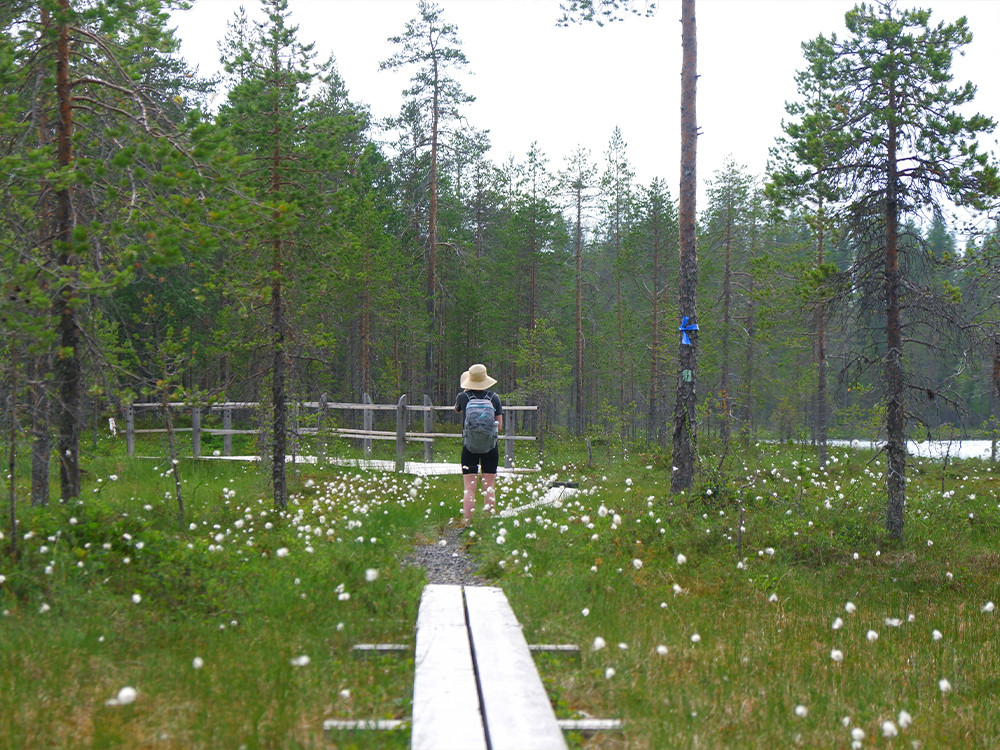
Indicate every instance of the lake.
{"type": "Point", "coordinates": [937, 449]}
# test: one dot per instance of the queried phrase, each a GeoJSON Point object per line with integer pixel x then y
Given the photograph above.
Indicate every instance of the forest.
{"type": "Point", "coordinates": [258, 238]}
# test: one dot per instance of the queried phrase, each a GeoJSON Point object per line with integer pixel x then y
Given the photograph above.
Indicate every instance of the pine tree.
{"type": "Point", "coordinates": [432, 45]}
{"type": "Point", "coordinates": [99, 155]}
{"type": "Point", "coordinates": [685, 438]}
{"type": "Point", "coordinates": [577, 181]}
{"type": "Point", "coordinates": [264, 115]}
{"type": "Point", "coordinates": [889, 113]}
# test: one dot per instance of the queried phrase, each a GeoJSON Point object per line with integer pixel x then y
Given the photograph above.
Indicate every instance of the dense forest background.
{"type": "Point", "coordinates": [158, 244]}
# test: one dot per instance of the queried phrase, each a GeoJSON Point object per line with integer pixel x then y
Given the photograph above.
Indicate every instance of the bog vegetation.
{"type": "Point", "coordinates": [765, 608]}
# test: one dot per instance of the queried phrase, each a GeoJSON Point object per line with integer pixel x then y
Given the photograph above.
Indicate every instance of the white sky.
{"type": "Point", "coordinates": [564, 87]}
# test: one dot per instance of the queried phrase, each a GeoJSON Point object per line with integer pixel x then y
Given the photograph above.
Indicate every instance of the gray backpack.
{"type": "Point", "coordinates": [479, 433]}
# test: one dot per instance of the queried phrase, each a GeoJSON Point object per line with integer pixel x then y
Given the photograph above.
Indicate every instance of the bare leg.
{"type": "Point", "coordinates": [489, 493]}
{"type": "Point", "coordinates": [469, 499]}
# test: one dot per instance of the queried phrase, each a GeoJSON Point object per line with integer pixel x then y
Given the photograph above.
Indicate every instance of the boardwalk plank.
{"type": "Point", "coordinates": [446, 712]}
{"type": "Point", "coordinates": [516, 707]}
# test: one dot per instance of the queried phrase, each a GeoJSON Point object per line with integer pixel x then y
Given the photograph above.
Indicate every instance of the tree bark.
{"type": "Point", "coordinates": [727, 304]}
{"type": "Point", "coordinates": [654, 368]}
{"type": "Point", "coordinates": [278, 401]}
{"type": "Point", "coordinates": [578, 375]}
{"type": "Point", "coordinates": [894, 381]}
{"type": "Point", "coordinates": [684, 428]}
{"type": "Point", "coordinates": [431, 303]}
{"type": "Point", "coordinates": [67, 370]}
{"type": "Point", "coordinates": [820, 349]}
{"type": "Point", "coordinates": [41, 443]}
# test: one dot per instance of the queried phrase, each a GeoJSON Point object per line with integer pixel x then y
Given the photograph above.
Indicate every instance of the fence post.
{"type": "Point", "coordinates": [401, 433]}
{"type": "Point", "coordinates": [130, 430]}
{"type": "Point", "coordinates": [227, 425]}
{"type": "Point", "coordinates": [428, 428]}
{"type": "Point", "coordinates": [508, 442]}
{"type": "Point", "coordinates": [196, 431]}
{"type": "Point", "coordinates": [320, 421]}
{"type": "Point", "coordinates": [366, 425]}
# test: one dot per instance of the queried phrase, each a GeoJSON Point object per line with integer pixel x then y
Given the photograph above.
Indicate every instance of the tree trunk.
{"type": "Point", "coordinates": [41, 444]}
{"type": "Point", "coordinates": [654, 368]}
{"type": "Point", "coordinates": [280, 415]}
{"type": "Point", "coordinates": [684, 428]}
{"type": "Point", "coordinates": [12, 456]}
{"type": "Point", "coordinates": [578, 375]}
{"type": "Point", "coordinates": [820, 351]}
{"type": "Point", "coordinates": [41, 364]}
{"type": "Point", "coordinates": [68, 371]}
{"type": "Point", "coordinates": [431, 291]}
{"type": "Point", "coordinates": [364, 334]}
{"type": "Point", "coordinates": [621, 338]}
{"type": "Point", "coordinates": [746, 428]}
{"type": "Point", "coordinates": [894, 383]}
{"type": "Point", "coordinates": [727, 303]}
{"type": "Point", "coordinates": [994, 390]}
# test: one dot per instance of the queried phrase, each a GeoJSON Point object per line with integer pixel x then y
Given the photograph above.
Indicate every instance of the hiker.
{"type": "Point", "coordinates": [481, 422]}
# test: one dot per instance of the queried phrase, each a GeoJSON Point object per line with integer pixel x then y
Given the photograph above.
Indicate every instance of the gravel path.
{"type": "Point", "coordinates": [446, 560]}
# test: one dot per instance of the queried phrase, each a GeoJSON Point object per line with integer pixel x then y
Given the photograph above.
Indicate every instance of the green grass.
{"type": "Point", "coordinates": [219, 586]}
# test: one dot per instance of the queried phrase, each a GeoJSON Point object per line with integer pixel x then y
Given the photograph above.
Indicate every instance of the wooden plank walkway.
{"type": "Point", "coordinates": [446, 710]}
{"type": "Point", "coordinates": [475, 683]}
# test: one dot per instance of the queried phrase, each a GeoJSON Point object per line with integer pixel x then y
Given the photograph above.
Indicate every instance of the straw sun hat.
{"type": "Point", "coordinates": [476, 379]}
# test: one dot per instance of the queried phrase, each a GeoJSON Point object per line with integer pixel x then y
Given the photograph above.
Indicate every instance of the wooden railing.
{"type": "Point", "coordinates": [365, 434]}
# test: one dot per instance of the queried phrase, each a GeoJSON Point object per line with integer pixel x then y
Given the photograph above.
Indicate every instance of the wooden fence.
{"type": "Point", "coordinates": [365, 434]}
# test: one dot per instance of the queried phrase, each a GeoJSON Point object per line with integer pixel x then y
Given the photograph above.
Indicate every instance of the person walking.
{"type": "Point", "coordinates": [482, 420]}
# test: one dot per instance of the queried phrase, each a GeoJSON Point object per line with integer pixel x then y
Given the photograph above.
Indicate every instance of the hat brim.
{"type": "Point", "coordinates": [476, 385]}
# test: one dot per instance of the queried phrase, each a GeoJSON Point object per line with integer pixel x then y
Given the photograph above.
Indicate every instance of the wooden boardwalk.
{"type": "Point", "coordinates": [475, 684]}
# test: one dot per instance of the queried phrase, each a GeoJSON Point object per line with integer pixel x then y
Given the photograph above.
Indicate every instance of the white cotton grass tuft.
{"type": "Point", "coordinates": [936, 634]}
{"type": "Point", "coordinates": [125, 696]}
{"type": "Point", "coordinates": [871, 635]}
{"type": "Point", "coordinates": [695, 638]}
{"type": "Point", "coordinates": [662, 650]}
{"type": "Point", "coordinates": [944, 686]}
{"type": "Point", "coordinates": [197, 662]}
{"type": "Point", "coordinates": [889, 729]}
{"type": "Point", "coordinates": [599, 643]}
{"type": "Point", "coordinates": [801, 711]}
{"type": "Point", "coordinates": [637, 563]}
{"type": "Point", "coordinates": [837, 623]}
{"type": "Point", "coordinates": [300, 661]}
{"type": "Point", "coordinates": [837, 655]}
{"type": "Point", "coordinates": [371, 575]}
{"type": "Point", "coordinates": [988, 607]}
{"type": "Point", "coordinates": [681, 559]}
{"type": "Point", "coordinates": [850, 608]}
{"type": "Point", "coordinates": [904, 719]}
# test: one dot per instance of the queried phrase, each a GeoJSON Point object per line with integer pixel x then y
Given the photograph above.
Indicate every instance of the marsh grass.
{"type": "Point", "coordinates": [117, 591]}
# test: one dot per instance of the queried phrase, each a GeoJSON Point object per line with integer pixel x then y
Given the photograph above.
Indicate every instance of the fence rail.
{"type": "Point", "coordinates": [365, 434]}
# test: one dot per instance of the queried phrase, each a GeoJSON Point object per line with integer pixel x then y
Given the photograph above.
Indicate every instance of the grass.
{"type": "Point", "coordinates": [712, 637]}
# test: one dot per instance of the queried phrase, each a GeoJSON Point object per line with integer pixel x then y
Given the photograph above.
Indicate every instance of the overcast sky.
{"type": "Point", "coordinates": [564, 87]}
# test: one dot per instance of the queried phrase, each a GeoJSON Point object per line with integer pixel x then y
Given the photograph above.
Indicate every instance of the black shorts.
{"type": "Point", "coordinates": [472, 461]}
